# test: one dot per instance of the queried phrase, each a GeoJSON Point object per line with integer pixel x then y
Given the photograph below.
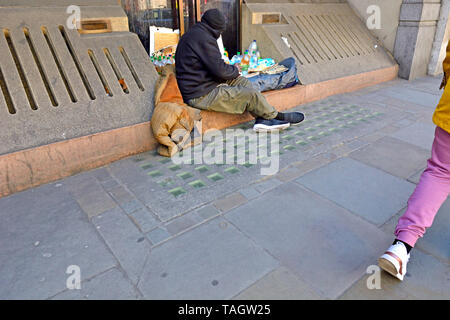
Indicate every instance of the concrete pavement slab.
{"type": "Point", "coordinates": [111, 285]}
{"type": "Point", "coordinates": [212, 261]}
{"type": "Point", "coordinates": [144, 219]}
{"type": "Point", "coordinates": [280, 284]}
{"type": "Point", "coordinates": [437, 238]}
{"type": "Point", "coordinates": [415, 178]}
{"type": "Point", "coordinates": [393, 156]}
{"type": "Point", "coordinates": [414, 96]}
{"type": "Point", "coordinates": [124, 240]}
{"type": "Point", "coordinates": [419, 134]}
{"type": "Point", "coordinates": [90, 195]}
{"type": "Point", "coordinates": [368, 192]}
{"type": "Point", "coordinates": [43, 231]}
{"type": "Point", "coordinates": [325, 245]}
{"type": "Point", "coordinates": [426, 278]}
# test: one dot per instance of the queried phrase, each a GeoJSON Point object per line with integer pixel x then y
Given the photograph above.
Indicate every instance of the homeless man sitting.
{"type": "Point", "coordinates": [206, 82]}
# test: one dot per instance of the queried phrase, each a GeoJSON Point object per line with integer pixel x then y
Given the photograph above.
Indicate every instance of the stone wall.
{"type": "Point", "coordinates": [415, 36]}
{"type": "Point", "coordinates": [389, 15]}
{"type": "Point", "coordinates": [441, 39]}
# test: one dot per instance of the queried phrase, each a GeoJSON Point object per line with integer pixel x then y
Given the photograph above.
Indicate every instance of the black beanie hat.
{"type": "Point", "coordinates": [215, 19]}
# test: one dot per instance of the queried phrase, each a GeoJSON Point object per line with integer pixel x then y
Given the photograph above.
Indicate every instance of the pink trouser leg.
{"type": "Point", "coordinates": [431, 192]}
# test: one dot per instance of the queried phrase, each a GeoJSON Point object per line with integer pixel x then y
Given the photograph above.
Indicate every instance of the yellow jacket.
{"type": "Point", "coordinates": [442, 114]}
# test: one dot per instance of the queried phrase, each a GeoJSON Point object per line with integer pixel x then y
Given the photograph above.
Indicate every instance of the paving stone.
{"type": "Point", "coordinates": [124, 240]}
{"type": "Point", "coordinates": [131, 206]}
{"type": "Point", "coordinates": [111, 285]}
{"type": "Point", "coordinates": [91, 197]}
{"type": "Point", "coordinates": [213, 261]}
{"type": "Point", "coordinates": [158, 235]}
{"type": "Point", "coordinates": [315, 162]}
{"type": "Point", "coordinates": [413, 96]}
{"type": "Point", "coordinates": [437, 238]}
{"type": "Point", "coordinates": [182, 223]}
{"type": "Point", "coordinates": [109, 184]}
{"type": "Point", "coordinates": [401, 105]}
{"type": "Point", "coordinates": [325, 245]}
{"type": "Point", "coordinates": [426, 278]}
{"type": "Point", "coordinates": [393, 156]}
{"type": "Point", "coordinates": [390, 289]}
{"type": "Point", "coordinates": [207, 212]}
{"type": "Point", "coordinates": [42, 232]}
{"type": "Point", "coordinates": [102, 174]}
{"type": "Point", "coordinates": [249, 192]}
{"type": "Point", "coordinates": [389, 226]}
{"type": "Point", "coordinates": [419, 134]}
{"type": "Point", "coordinates": [144, 219]}
{"type": "Point", "coordinates": [267, 185]}
{"type": "Point", "coordinates": [415, 178]}
{"type": "Point", "coordinates": [389, 129]}
{"type": "Point", "coordinates": [280, 284]}
{"type": "Point", "coordinates": [232, 201]}
{"type": "Point", "coordinates": [370, 138]}
{"type": "Point", "coordinates": [368, 192]}
{"type": "Point", "coordinates": [121, 195]}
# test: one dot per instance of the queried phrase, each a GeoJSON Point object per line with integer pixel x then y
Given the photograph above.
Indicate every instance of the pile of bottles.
{"type": "Point", "coordinates": [160, 61]}
{"type": "Point", "coordinates": [249, 60]}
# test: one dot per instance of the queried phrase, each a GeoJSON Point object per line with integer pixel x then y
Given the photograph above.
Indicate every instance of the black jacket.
{"type": "Point", "coordinates": [199, 64]}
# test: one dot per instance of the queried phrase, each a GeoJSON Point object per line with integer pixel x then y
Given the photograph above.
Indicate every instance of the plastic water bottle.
{"type": "Point", "coordinates": [225, 58]}
{"type": "Point", "coordinates": [236, 58]}
{"type": "Point", "coordinates": [253, 60]}
{"type": "Point", "coordinates": [253, 46]}
{"type": "Point", "coordinates": [245, 63]}
{"type": "Point", "coordinates": [159, 64]}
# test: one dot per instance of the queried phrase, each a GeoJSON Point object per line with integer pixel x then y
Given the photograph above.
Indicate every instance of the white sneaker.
{"type": "Point", "coordinates": [394, 260]}
{"type": "Point", "coordinates": [263, 125]}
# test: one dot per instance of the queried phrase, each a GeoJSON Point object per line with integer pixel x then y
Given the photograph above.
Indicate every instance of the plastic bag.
{"type": "Point", "coordinates": [287, 79]}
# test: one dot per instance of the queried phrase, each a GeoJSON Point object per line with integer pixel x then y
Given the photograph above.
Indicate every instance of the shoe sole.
{"type": "Point", "coordinates": [264, 128]}
{"type": "Point", "coordinates": [389, 267]}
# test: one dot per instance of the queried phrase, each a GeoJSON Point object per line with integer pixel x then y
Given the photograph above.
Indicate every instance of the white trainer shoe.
{"type": "Point", "coordinates": [394, 260]}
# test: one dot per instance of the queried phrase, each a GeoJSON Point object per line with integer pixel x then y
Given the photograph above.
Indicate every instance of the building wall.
{"type": "Point", "coordinates": [390, 13]}
{"type": "Point", "coordinates": [440, 40]}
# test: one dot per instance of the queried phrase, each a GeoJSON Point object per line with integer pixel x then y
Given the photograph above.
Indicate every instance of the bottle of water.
{"type": "Point", "coordinates": [253, 46]}
{"type": "Point", "coordinates": [253, 60]}
{"type": "Point", "coordinates": [225, 58]}
{"type": "Point", "coordinates": [245, 63]}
